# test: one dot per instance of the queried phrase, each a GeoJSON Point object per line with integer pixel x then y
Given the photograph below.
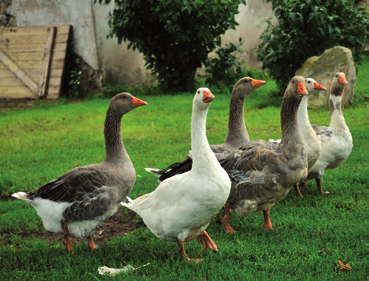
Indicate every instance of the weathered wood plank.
{"type": "Point", "coordinates": [34, 73]}
{"type": "Point", "coordinates": [15, 82]}
{"type": "Point", "coordinates": [46, 62]}
{"type": "Point", "coordinates": [53, 93]}
{"type": "Point", "coordinates": [33, 30]}
{"type": "Point", "coordinates": [25, 47]}
{"type": "Point", "coordinates": [25, 93]}
{"type": "Point", "coordinates": [60, 47]}
{"type": "Point", "coordinates": [16, 93]}
{"type": "Point", "coordinates": [34, 56]}
{"type": "Point", "coordinates": [35, 64]}
{"type": "Point", "coordinates": [19, 72]}
{"type": "Point", "coordinates": [29, 39]}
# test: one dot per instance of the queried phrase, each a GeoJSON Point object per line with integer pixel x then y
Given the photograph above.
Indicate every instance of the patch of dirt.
{"type": "Point", "coordinates": [115, 226]}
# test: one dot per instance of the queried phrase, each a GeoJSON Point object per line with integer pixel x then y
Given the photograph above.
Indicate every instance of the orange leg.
{"type": "Point", "coordinates": [206, 241]}
{"type": "Point", "coordinates": [225, 219]}
{"type": "Point", "coordinates": [267, 222]}
{"type": "Point", "coordinates": [298, 193]}
{"type": "Point", "coordinates": [182, 249]}
{"type": "Point", "coordinates": [319, 185]}
{"type": "Point", "coordinates": [67, 240]}
{"type": "Point", "coordinates": [90, 241]}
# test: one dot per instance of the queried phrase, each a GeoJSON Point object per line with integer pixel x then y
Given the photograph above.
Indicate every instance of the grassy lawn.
{"type": "Point", "coordinates": [310, 235]}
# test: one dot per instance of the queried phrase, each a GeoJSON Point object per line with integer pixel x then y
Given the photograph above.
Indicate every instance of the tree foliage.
{"type": "Point", "coordinates": [174, 36]}
{"type": "Point", "coordinates": [225, 67]}
{"type": "Point", "coordinates": [305, 29]}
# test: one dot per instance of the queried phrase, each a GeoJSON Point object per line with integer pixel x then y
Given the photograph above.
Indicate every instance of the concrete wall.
{"type": "Point", "coordinates": [79, 14]}
{"type": "Point", "coordinates": [123, 66]}
{"type": "Point", "coordinates": [118, 64]}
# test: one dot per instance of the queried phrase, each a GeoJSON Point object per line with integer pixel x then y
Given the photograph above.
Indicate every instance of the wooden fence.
{"type": "Point", "coordinates": [32, 61]}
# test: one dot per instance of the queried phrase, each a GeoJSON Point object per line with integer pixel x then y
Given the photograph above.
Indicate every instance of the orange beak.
{"type": "Point", "coordinates": [318, 87]}
{"type": "Point", "coordinates": [207, 96]}
{"type": "Point", "coordinates": [257, 83]}
{"type": "Point", "coordinates": [342, 80]}
{"type": "Point", "coordinates": [137, 102]}
{"type": "Point", "coordinates": [301, 89]}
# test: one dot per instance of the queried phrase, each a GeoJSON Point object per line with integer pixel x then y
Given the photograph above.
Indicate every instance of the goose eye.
{"type": "Point", "coordinates": [336, 75]}
{"type": "Point", "coordinates": [293, 82]}
{"type": "Point", "coordinates": [198, 92]}
{"type": "Point", "coordinates": [308, 81]}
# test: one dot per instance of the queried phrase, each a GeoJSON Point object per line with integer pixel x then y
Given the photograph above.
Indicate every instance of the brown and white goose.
{"type": "Point", "coordinates": [237, 134]}
{"type": "Point", "coordinates": [80, 199]}
{"type": "Point", "coordinates": [311, 141]}
{"type": "Point", "coordinates": [336, 140]}
{"type": "Point", "coordinates": [181, 207]}
{"type": "Point", "coordinates": [263, 172]}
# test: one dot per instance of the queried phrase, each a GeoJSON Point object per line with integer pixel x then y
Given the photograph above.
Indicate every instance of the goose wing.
{"type": "Point", "coordinates": [74, 185]}
{"type": "Point", "coordinates": [253, 170]}
{"type": "Point", "coordinates": [181, 167]}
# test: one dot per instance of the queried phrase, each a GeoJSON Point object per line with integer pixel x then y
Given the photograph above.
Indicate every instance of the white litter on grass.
{"type": "Point", "coordinates": [113, 271]}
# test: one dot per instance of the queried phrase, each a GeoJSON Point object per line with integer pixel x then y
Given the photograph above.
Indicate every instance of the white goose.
{"type": "Point", "coordinates": [336, 140]}
{"type": "Point", "coordinates": [237, 134]}
{"type": "Point", "coordinates": [180, 208]}
{"type": "Point", "coordinates": [80, 199]}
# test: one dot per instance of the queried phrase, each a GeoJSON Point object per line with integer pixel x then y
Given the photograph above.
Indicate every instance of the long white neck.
{"type": "Point", "coordinates": [311, 141]}
{"type": "Point", "coordinates": [303, 117]}
{"type": "Point", "coordinates": [338, 123]}
{"type": "Point", "coordinates": [202, 155]}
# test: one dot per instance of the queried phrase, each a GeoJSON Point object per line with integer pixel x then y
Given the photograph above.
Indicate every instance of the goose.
{"type": "Point", "coordinates": [336, 140]}
{"type": "Point", "coordinates": [263, 172]}
{"type": "Point", "coordinates": [311, 141]}
{"type": "Point", "coordinates": [180, 208]}
{"type": "Point", "coordinates": [237, 134]}
{"type": "Point", "coordinates": [79, 200]}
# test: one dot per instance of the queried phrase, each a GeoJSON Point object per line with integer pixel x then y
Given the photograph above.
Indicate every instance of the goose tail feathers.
{"type": "Point", "coordinates": [153, 171]}
{"type": "Point", "coordinates": [20, 195]}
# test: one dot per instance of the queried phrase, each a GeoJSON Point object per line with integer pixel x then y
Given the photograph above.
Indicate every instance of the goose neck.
{"type": "Point", "coordinates": [114, 147]}
{"type": "Point", "coordinates": [302, 115]}
{"type": "Point", "coordinates": [338, 123]}
{"type": "Point", "coordinates": [201, 151]}
{"type": "Point", "coordinates": [237, 133]}
{"type": "Point", "coordinates": [290, 131]}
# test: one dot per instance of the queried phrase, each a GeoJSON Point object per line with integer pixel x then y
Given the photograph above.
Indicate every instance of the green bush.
{"type": "Point", "coordinates": [225, 68]}
{"type": "Point", "coordinates": [174, 36]}
{"type": "Point", "coordinates": [306, 29]}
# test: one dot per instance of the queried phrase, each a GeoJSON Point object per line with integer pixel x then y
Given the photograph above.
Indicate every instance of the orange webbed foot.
{"type": "Point", "coordinates": [206, 242]}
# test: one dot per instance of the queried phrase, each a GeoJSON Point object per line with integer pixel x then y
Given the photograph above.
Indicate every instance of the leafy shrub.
{"type": "Point", "coordinates": [225, 68]}
{"type": "Point", "coordinates": [75, 85]}
{"type": "Point", "coordinates": [306, 29]}
{"type": "Point", "coordinates": [174, 36]}
{"type": "Point", "coordinates": [139, 91]}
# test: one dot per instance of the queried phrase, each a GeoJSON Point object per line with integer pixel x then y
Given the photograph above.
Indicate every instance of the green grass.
{"type": "Point", "coordinates": [310, 235]}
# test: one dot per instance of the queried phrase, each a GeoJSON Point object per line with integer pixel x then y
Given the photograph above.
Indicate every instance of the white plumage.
{"type": "Point", "coordinates": [181, 207]}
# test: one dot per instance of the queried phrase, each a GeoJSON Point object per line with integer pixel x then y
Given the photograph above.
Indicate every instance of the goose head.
{"type": "Point", "coordinates": [125, 102]}
{"type": "Point", "coordinates": [312, 85]}
{"type": "Point", "coordinates": [245, 86]}
{"type": "Point", "coordinates": [338, 83]}
{"type": "Point", "coordinates": [203, 97]}
{"type": "Point", "coordinates": [296, 88]}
